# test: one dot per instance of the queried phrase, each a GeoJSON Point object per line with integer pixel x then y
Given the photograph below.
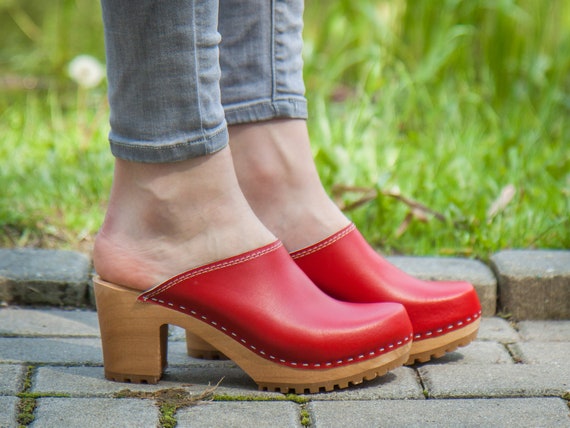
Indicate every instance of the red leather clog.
{"type": "Point", "coordinates": [444, 315]}
{"type": "Point", "coordinates": [260, 310]}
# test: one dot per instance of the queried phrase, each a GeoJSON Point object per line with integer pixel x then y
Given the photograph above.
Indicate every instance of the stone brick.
{"type": "Point", "coordinates": [498, 330]}
{"type": "Point", "coordinates": [495, 380]}
{"type": "Point", "coordinates": [95, 413]}
{"type": "Point", "coordinates": [8, 411]}
{"type": "Point", "coordinates": [72, 351]}
{"type": "Point", "coordinates": [241, 414]}
{"type": "Point", "coordinates": [534, 284]}
{"type": "Point", "coordinates": [534, 352]}
{"type": "Point", "coordinates": [545, 331]}
{"type": "Point", "coordinates": [50, 350]}
{"type": "Point", "coordinates": [195, 378]}
{"type": "Point", "coordinates": [11, 377]}
{"type": "Point", "coordinates": [44, 277]}
{"type": "Point", "coordinates": [48, 322]}
{"type": "Point", "coordinates": [475, 413]}
{"type": "Point", "coordinates": [454, 269]}
{"type": "Point", "coordinates": [478, 352]}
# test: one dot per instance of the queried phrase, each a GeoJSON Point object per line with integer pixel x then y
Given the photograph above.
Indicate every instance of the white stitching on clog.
{"type": "Point", "coordinates": [264, 354]}
{"type": "Point", "coordinates": [457, 324]}
{"type": "Point", "coordinates": [324, 243]}
{"type": "Point", "coordinates": [208, 268]}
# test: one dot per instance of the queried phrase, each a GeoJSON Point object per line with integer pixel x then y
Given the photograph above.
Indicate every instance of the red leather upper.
{"type": "Point", "coordinates": [265, 302]}
{"type": "Point", "coordinates": [347, 268]}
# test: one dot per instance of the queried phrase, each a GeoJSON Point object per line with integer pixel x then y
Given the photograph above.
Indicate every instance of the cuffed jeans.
{"type": "Point", "coordinates": [173, 87]}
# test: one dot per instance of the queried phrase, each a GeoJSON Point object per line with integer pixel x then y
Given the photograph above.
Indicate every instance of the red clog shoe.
{"type": "Point", "coordinates": [444, 315]}
{"type": "Point", "coordinates": [260, 310]}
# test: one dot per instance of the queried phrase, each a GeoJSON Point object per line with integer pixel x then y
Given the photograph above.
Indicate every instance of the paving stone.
{"type": "Point", "coordinates": [90, 381]}
{"type": "Point", "coordinates": [495, 380]}
{"type": "Point", "coordinates": [504, 413]}
{"type": "Point", "coordinates": [80, 381]}
{"type": "Point", "coordinates": [95, 413]}
{"type": "Point", "coordinates": [30, 276]}
{"type": "Point", "coordinates": [401, 383]}
{"type": "Point", "coordinates": [11, 377]}
{"type": "Point", "coordinates": [51, 350]}
{"type": "Point", "coordinates": [454, 269]}
{"type": "Point", "coordinates": [231, 380]}
{"type": "Point", "coordinates": [484, 369]}
{"type": "Point", "coordinates": [85, 381]}
{"type": "Point", "coordinates": [8, 412]}
{"type": "Point", "coordinates": [498, 330]}
{"type": "Point", "coordinates": [48, 322]}
{"type": "Point", "coordinates": [477, 352]}
{"type": "Point", "coordinates": [176, 333]}
{"type": "Point", "coordinates": [556, 353]}
{"type": "Point", "coordinates": [534, 284]}
{"type": "Point", "coordinates": [71, 351]}
{"type": "Point", "coordinates": [545, 331]}
{"type": "Point", "coordinates": [240, 414]}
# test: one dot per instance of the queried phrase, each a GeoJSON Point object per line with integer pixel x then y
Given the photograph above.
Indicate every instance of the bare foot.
{"type": "Point", "coordinates": [164, 219]}
{"type": "Point", "coordinates": [276, 172]}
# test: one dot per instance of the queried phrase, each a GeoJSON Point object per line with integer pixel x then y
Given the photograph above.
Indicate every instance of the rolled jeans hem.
{"type": "Point", "coordinates": [293, 108]}
{"type": "Point", "coordinates": [153, 152]}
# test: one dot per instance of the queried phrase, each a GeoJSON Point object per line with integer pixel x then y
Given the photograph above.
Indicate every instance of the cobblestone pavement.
{"type": "Point", "coordinates": [527, 284]}
{"type": "Point", "coordinates": [513, 375]}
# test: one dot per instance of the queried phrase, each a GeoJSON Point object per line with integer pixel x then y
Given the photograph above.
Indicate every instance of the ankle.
{"type": "Point", "coordinates": [277, 174]}
{"type": "Point", "coordinates": [164, 219]}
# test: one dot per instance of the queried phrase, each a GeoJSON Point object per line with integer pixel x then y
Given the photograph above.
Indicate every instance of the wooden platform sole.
{"type": "Point", "coordinates": [135, 338]}
{"type": "Point", "coordinates": [422, 351]}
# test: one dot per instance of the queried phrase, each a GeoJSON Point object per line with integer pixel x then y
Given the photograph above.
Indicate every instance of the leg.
{"type": "Point", "coordinates": [268, 133]}
{"type": "Point", "coordinates": [277, 174]}
{"type": "Point", "coordinates": [175, 202]}
{"type": "Point", "coordinates": [292, 202]}
{"type": "Point", "coordinates": [176, 211]}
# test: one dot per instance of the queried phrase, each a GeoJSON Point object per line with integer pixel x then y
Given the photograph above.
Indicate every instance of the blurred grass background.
{"type": "Point", "coordinates": [440, 126]}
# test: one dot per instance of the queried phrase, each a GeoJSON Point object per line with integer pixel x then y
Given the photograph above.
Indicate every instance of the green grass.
{"type": "Point", "coordinates": [442, 103]}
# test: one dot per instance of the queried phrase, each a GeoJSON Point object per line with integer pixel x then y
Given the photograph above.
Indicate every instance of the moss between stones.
{"type": "Point", "coordinates": [169, 401]}
{"type": "Point", "coordinates": [305, 417]}
{"type": "Point", "coordinates": [25, 408]}
{"type": "Point", "coordinates": [27, 403]}
{"type": "Point", "coordinates": [566, 396]}
{"type": "Point", "coordinates": [288, 397]}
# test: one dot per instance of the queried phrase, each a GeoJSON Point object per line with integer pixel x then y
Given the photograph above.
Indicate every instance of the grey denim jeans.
{"type": "Point", "coordinates": [175, 82]}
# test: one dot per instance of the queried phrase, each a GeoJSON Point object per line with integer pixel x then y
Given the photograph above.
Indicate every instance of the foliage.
{"type": "Point", "coordinates": [447, 105]}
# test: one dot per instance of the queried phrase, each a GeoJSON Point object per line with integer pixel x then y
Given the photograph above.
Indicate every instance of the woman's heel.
{"type": "Point", "coordinates": [133, 335]}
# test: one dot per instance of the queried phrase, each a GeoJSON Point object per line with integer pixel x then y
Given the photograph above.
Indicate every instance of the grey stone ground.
{"type": "Point", "coordinates": [513, 375]}
{"type": "Point", "coordinates": [524, 284]}
{"type": "Point", "coordinates": [516, 374]}
{"type": "Point", "coordinates": [534, 284]}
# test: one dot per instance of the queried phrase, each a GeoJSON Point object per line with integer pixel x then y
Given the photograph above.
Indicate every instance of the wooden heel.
{"type": "Point", "coordinates": [199, 348]}
{"type": "Point", "coordinates": [134, 339]}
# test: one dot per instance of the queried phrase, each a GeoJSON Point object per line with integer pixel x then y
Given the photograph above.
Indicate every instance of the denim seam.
{"type": "Point", "coordinates": [268, 102]}
{"type": "Point", "coordinates": [272, 48]}
{"type": "Point", "coordinates": [203, 139]}
{"type": "Point", "coordinates": [197, 73]}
